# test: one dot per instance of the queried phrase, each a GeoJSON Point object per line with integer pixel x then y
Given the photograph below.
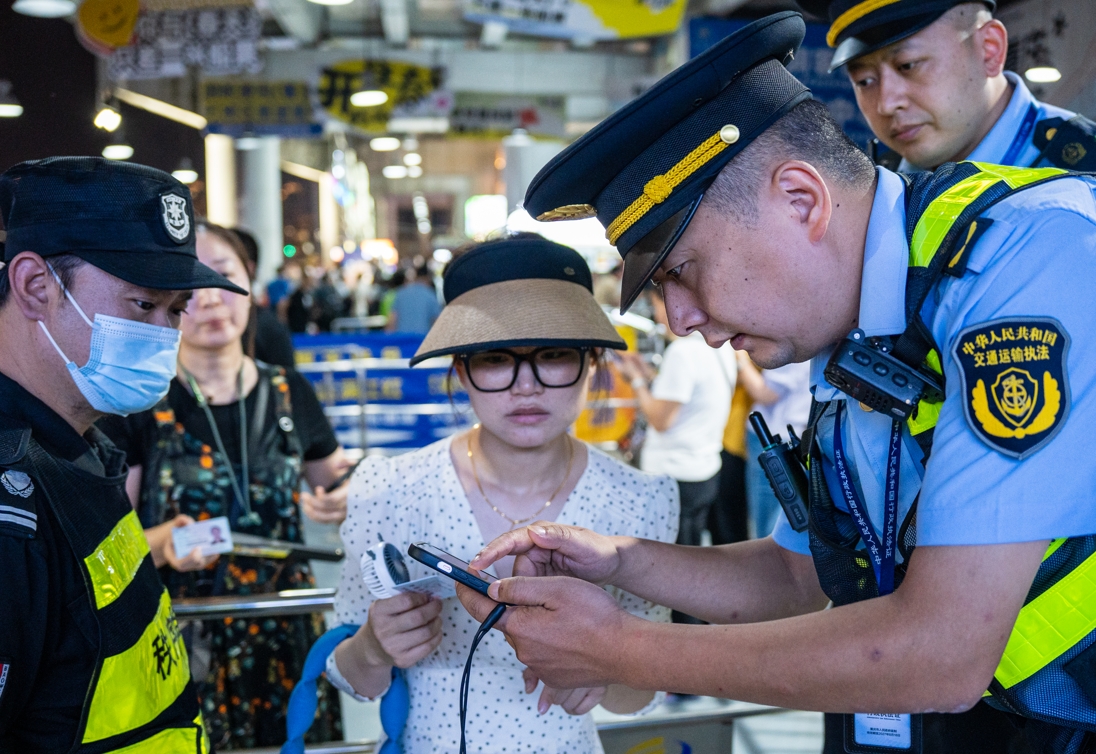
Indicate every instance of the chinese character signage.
{"type": "Point", "coordinates": [263, 108]}
{"type": "Point", "coordinates": [411, 89]}
{"type": "Point", "coordinates": [220, 37]}
{"type": "Point", "coordinates": [495, 116]}
{"type": "Point", "coordinates": [581, 19]}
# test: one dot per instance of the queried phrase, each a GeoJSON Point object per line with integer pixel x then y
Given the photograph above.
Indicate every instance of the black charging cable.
{"type": "Point", "coordinates": [486, 626]}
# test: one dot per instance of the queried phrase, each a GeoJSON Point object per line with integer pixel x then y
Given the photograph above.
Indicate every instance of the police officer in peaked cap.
{"type": "Point", "coordinates": [941, 498]}
{"type": "Point", "coordinates": [930, 79]}
{"type": "Point", "coordinates": [99, 263]}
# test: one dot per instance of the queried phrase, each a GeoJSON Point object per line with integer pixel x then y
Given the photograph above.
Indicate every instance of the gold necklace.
{"type": "Point", "coordinates": [519, 521]}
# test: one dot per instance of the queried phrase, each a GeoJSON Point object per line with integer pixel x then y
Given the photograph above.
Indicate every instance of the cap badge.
{"type": "Point", "coordinates": [17, 483]}
{"type": "Point", "coordinates": [568, 212]}
{"type": "Point", "coordinates": [176, 220]}
{"type": "Point", "coordinates": [569, 271]}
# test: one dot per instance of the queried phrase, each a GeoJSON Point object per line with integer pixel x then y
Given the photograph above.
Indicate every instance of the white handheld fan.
{"type": "Point", "coordinates": [383, 569]}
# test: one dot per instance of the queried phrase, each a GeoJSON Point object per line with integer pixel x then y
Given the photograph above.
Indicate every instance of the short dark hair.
{"type": "Point", "coordinates": [808, 133]}
{"type": "Point", "coordinates": [65, 265]}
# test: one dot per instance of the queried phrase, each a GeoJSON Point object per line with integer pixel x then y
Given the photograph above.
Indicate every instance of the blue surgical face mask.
{"type": "Point", "coordinates": [130, 366]}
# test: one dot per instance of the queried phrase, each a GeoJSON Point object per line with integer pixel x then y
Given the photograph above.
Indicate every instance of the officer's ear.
{"type": "Point", "coordinates": [31, 285]}
{"type": "Point", "coordinates": [800, 186]}
{"type": "Point", "coordinates": [992, 41]}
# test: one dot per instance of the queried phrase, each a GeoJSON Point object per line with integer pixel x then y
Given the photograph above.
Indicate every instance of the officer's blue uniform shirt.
{"type": "Point", "coordinates": [1009, 142]}
{"type": "Point", "coordinates": [1037, 259]}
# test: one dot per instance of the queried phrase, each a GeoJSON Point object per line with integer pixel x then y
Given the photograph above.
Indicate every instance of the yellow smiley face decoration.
{"type": "Point", "coordinates": [107, 24]}
{"type": "Point", "coordinates": [1014, 382]}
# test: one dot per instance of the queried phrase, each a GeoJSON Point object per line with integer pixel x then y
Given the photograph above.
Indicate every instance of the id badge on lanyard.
{"type": "Point", "coordinates": [871, 733]}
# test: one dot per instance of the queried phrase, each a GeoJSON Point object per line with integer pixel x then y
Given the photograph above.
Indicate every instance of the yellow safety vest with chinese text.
{"type": "Point", "coordinates": [141, 700]}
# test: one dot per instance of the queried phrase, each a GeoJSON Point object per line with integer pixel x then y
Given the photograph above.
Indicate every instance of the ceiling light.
{"type": "Point", "coordinates": [45, 8]}
{"type": "Point", "coordinates": [117, 151]}
{"type": "Point", "coordinates": [394, 171]}
{"type": "Point", "coordinates": [384, 144]}
{"type": "Point", "coordinates": [185, 172]}
{"type": "Point", "coordinates": [1043, 74]}
{"type": "Point", "coordinates": [108, 118]}
{"type": "Point", "coordinates": [161, 108]}
{"type": "Point", "coordinates": [9, 105]}
{"type": "Point", "coordinates": [414, 172]}
{"type": "Point", "coordinates": [414, 158]}
{"type": "Point", "coordinates": [331, 2]}
{"type": "Point", "coordinates": [368, 98]}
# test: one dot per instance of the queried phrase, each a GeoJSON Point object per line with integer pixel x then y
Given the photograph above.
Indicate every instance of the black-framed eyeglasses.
{"type": "Point", "coordinates": [497, 370]}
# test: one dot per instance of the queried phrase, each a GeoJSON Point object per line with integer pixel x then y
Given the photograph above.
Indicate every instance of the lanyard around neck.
{"type": "Point", "coordinates": [882, 554]}
{"type": "Point", "coordinates": [243, 499]}
{"type": "Point", "coordinates": [1020, 140]}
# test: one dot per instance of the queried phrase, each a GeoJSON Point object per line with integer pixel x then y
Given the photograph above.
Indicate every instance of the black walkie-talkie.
{"type": "Point", "coordinates": [782, 468]}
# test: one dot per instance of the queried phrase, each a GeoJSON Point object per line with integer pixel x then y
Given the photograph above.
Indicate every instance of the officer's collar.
{"type": "Point", "coordinates": [996, 143]}
{"type": "Point", "coordinates": [883, 278]}
{"type": "Point", "coordinates": [18, 407]}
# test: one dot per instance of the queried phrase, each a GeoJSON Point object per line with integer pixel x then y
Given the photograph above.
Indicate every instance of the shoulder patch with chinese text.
{"type": "Point", "coordinates": [1015, 389]}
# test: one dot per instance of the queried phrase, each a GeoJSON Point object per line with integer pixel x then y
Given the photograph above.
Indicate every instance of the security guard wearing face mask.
{"type": "Point", "coordinates": [946, 473]}
{"type": "Point", "coordinates": [930, 80]}
{"type": "Point", "coordinates": [99, 263]}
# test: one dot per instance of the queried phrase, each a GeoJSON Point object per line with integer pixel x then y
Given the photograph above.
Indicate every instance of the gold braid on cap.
{"type": "Point", "coordinates": [659, 188]}
{"type": "Point", "coordinates": [852, 15]}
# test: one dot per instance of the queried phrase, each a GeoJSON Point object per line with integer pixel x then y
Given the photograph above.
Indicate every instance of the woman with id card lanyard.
{"type": "Point", "coordinates": [233, 438]}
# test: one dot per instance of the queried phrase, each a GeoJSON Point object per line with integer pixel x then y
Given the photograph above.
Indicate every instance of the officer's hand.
{"type": "Point", "coordinates": [573, 701]}
{"type": "Point", "coordinates": [549, 549]}
{"type": "Point", "coordinates": [568, 632]}
{"type": "Point", "coordinates": [401, 630]}
{"type": "Point", "coordinates": [162, 546]}
{"type": "Point", "coordinates": [326, 507]}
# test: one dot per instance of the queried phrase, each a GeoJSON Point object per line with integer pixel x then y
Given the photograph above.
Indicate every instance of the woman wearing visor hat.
{"type": "Point", "coordinates": [525, 334]}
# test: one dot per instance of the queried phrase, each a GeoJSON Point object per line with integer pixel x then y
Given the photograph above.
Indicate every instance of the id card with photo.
{"type": "Point", "coordinates": [213, 536]}
{"type": "Point", "coordinates": [882, 734]}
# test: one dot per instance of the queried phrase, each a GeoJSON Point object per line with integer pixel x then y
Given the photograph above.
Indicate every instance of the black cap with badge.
{"type": "Point", "coordinates": [132, 221]}
{"type": "Point", "coordinates": [858, 27]}
{"type": "Point", "coordinates": [644, 170]}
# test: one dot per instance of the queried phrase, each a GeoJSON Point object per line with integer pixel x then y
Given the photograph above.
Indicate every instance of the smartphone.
{"type": "Point", "coordinates": [451, 566]}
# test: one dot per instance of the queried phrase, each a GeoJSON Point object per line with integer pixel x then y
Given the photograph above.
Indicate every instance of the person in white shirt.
{"type": "Point", "coordinates": [686, 408]}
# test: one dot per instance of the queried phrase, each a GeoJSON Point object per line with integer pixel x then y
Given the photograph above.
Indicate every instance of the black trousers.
{"type": "Point", "coordinates": [727, 520]}
{"type": "Point", "coordinates": [980, 730]}
{"type": "Point", "coordinates": [696, 503]}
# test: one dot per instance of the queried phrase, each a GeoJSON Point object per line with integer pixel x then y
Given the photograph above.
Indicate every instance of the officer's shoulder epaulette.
{"type": "Point", "coordinates": [18, 513]}
{"type": "Point", "coordinates": [1067, 144]}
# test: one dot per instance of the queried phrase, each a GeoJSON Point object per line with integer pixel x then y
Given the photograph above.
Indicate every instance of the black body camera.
{"type": "Point", "coordinates": [781, 465]}
{"type": "Point", "coordinates": [865, 369]}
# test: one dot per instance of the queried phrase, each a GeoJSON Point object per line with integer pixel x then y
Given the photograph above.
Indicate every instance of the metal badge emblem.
{"type": "Point", "coordinates": [175, 217]}
{"type": "Point", "coordinates": [17, 483]}
{"type": "Point", "coordinates": [568, 212]}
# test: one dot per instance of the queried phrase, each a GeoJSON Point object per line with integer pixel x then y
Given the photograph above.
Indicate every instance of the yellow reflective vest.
{"type": "Point", "coordinates": [140, 699]}
{"type": "Point", "coordinates": [1048, 669]}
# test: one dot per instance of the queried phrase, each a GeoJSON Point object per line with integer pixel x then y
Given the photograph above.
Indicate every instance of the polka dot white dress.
{"type": "Point", "coordinates": [417, 497]}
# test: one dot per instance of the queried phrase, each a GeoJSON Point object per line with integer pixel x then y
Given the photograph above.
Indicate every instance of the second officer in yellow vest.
{"type": "Point", "coordinates": [99, 264]}
{"type": "Point", "coordinates": [949, 475]}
